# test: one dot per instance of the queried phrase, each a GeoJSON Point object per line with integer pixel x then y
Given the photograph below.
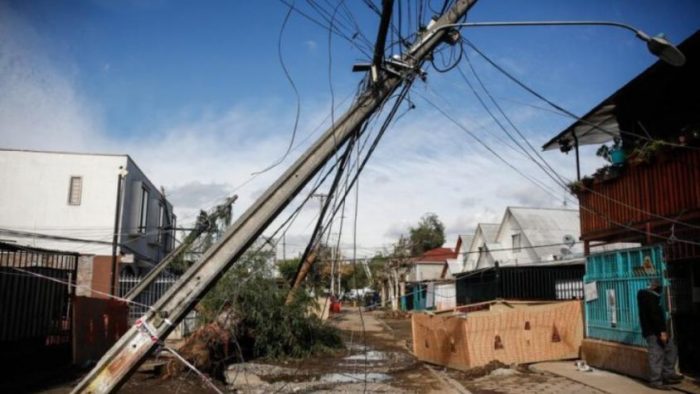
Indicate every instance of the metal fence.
{"type": "Point", "coordinates": [149, 297]}
{"type": "Point", "coordinates": [564, 282]}
{"type": "Point", "coordinates": [36, 287]}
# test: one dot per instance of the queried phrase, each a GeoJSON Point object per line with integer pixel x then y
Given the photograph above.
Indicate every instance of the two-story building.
{"type": "Point", "coordinates": [649, 194]}
{"type": "Point", "coordinates": [76, 201]}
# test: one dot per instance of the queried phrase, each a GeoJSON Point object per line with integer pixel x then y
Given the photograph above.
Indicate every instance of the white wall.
{"type": "Point", "coordinates": [472, 257]}
{"type": "Point", "coordinates": [34, 198]}
{"type": "Point", "coordinates": [504, 238]}
{"type": "Point", "coordinates": [445, 296]}
{"type": "Point", "coordinates": [428, 271]}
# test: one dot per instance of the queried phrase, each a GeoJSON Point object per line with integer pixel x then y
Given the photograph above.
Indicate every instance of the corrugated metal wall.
{"type": "Point", "coordinates": [667, 187]}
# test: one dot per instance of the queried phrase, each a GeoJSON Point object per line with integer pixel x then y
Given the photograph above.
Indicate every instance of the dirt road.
{"type": "Point", "coordinates": [376, 359]}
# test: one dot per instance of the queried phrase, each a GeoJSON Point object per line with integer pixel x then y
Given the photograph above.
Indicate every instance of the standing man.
{"type": "Point", "coordinates": [662, 351]}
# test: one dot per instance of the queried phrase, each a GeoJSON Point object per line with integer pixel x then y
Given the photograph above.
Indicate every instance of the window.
{"type": "Point", "coordinates": [161, 223]}
{"type": "Point", "coordinates": [516, 243]}
{"type": "Point", "coordinates": [173, 224]}
{"type": "Point", "coordinates": [143, 218]}
{"type": "Point", "coordinates": [75, 190]}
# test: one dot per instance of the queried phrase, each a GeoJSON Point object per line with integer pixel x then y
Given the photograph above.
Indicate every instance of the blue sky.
{"type": "Point", "coordinates": [194, 91]}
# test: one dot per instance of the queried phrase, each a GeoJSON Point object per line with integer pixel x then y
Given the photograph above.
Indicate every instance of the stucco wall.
{"type": "Point", "coordinates": [34, 196]}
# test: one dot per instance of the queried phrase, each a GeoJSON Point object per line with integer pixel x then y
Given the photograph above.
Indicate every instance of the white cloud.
{"type": "Point", "coordinates": [39, 105]}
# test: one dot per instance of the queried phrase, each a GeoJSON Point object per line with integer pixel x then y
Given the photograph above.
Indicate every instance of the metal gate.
{"type": "Point", "coordinates": [36, 287]}
{"type": "Point", "coordinates": [612, 313]}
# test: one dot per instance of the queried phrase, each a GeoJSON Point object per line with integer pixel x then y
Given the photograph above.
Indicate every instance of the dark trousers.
{"type": "Point", "coordinates": [662, 358]}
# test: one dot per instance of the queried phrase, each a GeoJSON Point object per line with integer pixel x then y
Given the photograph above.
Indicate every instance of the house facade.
{"type": "Point", "coordinates": [648, 194]}
{"type": "Point", "coordinates": [430, 265]}
{"type": "Point", "coordinates": [485, 233]}
{"type": "Point", "coordinates": [69, 201]}
{"type": "Point", "coordinates": [526, 236]}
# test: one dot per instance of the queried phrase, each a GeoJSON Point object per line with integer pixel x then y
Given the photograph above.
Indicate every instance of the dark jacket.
{"type": "Point", "coordinates": [651, 316]}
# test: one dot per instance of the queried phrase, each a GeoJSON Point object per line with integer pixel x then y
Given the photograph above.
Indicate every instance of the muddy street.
{"type": "Point", "coordinates": [376, 359]}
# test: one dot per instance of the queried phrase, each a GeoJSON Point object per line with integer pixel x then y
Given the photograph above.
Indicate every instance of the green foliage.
{"type": "Point", "coordinates": [429, 234]}
{"type": "Point", "coordinates": [288, 268]}
{"type": "Point", "coordinates": [257, 303]}
{"type": "Point", "coordinates": [357, 279]}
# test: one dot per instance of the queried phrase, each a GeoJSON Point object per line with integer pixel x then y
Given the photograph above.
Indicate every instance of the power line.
{"type": "Point", "coordinates": [482, 143]}
{"type": "Point", "coordinates": [510, 122]}
{"type": "Point", "coordinates": [525, 176]}
{"type": "Point", "coordinates": [561, 183]}
{"type": "Point", "coordinates": [335, 31]}
{"type": "Point", "coordinates": [280, 57]}
{"type": "Point", "coordinates": [555, 105]}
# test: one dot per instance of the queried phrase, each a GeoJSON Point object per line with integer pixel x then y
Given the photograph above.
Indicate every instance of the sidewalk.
{"type": "Point", "coordinates": [608, 382]}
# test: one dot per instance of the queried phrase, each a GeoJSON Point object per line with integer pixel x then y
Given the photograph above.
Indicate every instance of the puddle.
{"type": "Point", "coordinates": [371, 355]}
{"type": "Point", "coordinates": [354, 377]}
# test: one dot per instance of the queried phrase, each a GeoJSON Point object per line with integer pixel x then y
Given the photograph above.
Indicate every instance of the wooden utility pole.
{"type": "Point", "coordinates": [137, 343]}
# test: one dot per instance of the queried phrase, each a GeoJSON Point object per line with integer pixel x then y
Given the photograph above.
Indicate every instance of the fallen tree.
{"type": "Point", "coordinates": [245, 317]}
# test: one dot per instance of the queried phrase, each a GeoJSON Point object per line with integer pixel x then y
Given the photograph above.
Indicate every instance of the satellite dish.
{"type": "Point", "coordinates": [569, 240]}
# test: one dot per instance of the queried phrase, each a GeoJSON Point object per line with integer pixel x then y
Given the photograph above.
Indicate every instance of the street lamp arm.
{"type": "Point", "coordinates": [548, 23]}
{"type": "Point", "coordinates": [657, 45]}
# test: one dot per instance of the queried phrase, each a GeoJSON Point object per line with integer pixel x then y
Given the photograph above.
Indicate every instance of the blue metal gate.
{"type": "Point", "coordinates": [617, 276]}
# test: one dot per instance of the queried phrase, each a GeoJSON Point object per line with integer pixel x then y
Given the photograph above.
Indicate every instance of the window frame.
{"type": "Point", "coordinates": [161, 222]}
{"type": "Point", "coordinates": [517, 247]}
{"type": "Point", "coordinates": [71, 188]}
{"type": "Point", "coordinates": [143, 210]}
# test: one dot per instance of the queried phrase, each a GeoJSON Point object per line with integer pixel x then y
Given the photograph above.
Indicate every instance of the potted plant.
{"type": "Point", "coordinates": [614, 154]}
{"type": "Point", "coordinates": [645, 153]}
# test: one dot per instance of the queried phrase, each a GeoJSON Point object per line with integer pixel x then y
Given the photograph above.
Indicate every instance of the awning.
{"type": "Point", "coordinates": [597, 127]}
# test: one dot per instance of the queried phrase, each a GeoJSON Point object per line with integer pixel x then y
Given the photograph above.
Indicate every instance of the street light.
{"type": "Point", "coordinates": [658, 45]}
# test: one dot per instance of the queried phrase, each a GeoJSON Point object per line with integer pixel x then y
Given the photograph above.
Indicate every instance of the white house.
{"type": "Point", "coordinates": [68, 201]}
{"type": "Point", "coordinates": [532, 236]}
{"type": "Point", "coordinates": [485, 233]}
{"type": "Point", "coordinates": [429, 266]}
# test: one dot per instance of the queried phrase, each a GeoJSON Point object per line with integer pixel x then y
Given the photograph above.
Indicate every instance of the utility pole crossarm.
{"type": "Point", "coordinates": [136, 344]}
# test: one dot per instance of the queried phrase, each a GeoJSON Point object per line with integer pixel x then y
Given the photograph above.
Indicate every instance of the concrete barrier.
{"type": "Point", "coordinates": [617, 357]}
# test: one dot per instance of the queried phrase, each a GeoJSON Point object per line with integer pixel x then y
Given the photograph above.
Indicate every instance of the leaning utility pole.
{"type": "Point", "coordinates": [200, 228]}
{"type": "Point", "coordinates": [137, 343]}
